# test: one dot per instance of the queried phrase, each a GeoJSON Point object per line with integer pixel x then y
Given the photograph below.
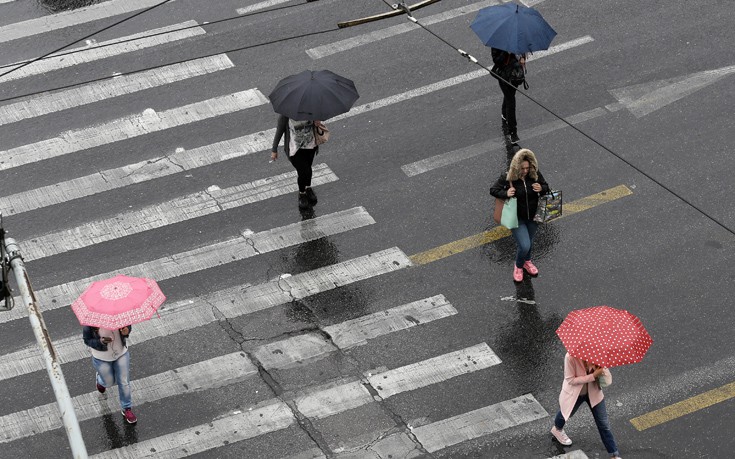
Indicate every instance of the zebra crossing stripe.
{"type": "Point", "coordinates": [381, 34]}
{"type": "Point", "coordinates": [209, 256]}
{"type": "Point", "coordinates": [102, 50]}
{"type": "Point", "coordinates": [318, 403]}
{"type": "Point", "coordinates": [260, 6]}
{"type": "Point", "coordinates": [467, 426]}
{"type": "Point", "coordinates": [242, 300]}
{"type": "Point", "coordinates": [177, 210]}
{"type": "Point", "coordinates": [56, 101]}
{"type": "Point", "coordinates": [210, 374]}
{"type": "Point", "coordinates": [66, 19]}
{"type": "Point", "coordinates": [128, 127]}
{"type": "Point", "coordinates": [302, 349]}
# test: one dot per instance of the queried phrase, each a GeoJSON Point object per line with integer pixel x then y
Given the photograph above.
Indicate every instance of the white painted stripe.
{"type": "Point", "coordinates": [371, 37]}
{"type": "Point", "coordinates": [210, 374]}
{"type": "Point", "coordinates": [177, 210]}
{"type": "Point", "coordinates": [484, 421]}
{"type": "Point", "coordinates": [6, 1]}
{"type": "Point", "coordinates": [453, 157]}
{"type": "Point", "coordinates": [128, 127]}
{"type": "Point", "coordinates": [102, 50]}
{"type": "Point", "coordinates": [66, 19]}
{"type": "Point", "coordinates": [260, 6]}
{"type": "Point", "coordinates": [318, 403]}
{"type": "Point", "coordinates": [357, 332]}
{"type": "Point", "coordinates": [434, 370]}
{"type": "Point", "coordinates": [231, 303]}
{"type": "Point", "coordinates": [562, 47]}
{"type": "Point", "coordinates": [576, 454]}
{"type": "Point", "coordinates": [209, 256]}
{"type": "Point", "coordinates": [56, 101]}
{"type": "Point", "coordinates": [303, 349]}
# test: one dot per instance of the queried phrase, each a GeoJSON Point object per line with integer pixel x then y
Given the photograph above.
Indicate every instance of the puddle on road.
{"type": "Point", "coordinates": [55, 6]}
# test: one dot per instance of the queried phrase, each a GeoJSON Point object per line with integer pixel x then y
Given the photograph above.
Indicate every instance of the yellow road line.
{"type": "Point", "coordinates": [499, 232]}
{"type": "Point", "coordinates": [684, 407]}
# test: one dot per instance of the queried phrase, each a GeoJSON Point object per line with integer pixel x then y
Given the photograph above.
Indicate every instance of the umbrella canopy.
{"type": "Point", "coordinates": [513, 28]}
{"type": "Point", "coordinates": [313, 95]}
{"type": "Point", "coordinates": [118, 302]}
{"type": "Point", "coordinates": [605, 336]}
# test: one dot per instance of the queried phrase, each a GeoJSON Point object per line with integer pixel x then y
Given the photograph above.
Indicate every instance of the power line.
{"type": "Point", "coordinates": [88, 36]}
{"type": "Point", "coordinates": [141, 37]}
{"type": "Point", "coordinates": [559, 117]}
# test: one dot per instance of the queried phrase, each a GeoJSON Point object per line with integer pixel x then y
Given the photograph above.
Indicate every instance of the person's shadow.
{"type": "Point", "coordinates": [114, 438]}
{"type": "Point", "coordinates": [527, 344]}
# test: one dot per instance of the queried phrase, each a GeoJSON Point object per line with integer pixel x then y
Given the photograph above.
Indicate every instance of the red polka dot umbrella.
{"type": "Point", "coordinates": [605, 336]}
{"type": "Point", "coordinates": [118, 302]}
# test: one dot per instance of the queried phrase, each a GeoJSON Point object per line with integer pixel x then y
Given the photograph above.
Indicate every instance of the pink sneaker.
{"type": "Point", "coordinates": [561, 436]}
{"type": "Point", "coordinates": [130, 418]}
{"type": "Point", "coordinates": [517, 274]}
{"type": "Point", "coordinates": [530, 268]}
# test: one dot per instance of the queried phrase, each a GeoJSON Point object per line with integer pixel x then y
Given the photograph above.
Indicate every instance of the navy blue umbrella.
{"type": "Point", "coordinates": [313, 95]}
{"type": "Point", "coordinates": [513, 28]}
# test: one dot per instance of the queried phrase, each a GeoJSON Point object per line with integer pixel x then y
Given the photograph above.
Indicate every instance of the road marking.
{"type": "Point", "coordinates": [576, 454]}
{"type": "Point", "coordinates": [209, 374]}
{"type": "Point", "coordinates": [452, 157]}
{"type": "Point", "coordinates": [56, 101]}
{"type": "Point", "coordinates": [433, 370]}
{"type": "Point", "coordinates": [684, 407]}
{"type": "Point", "coordinates": [357, 332]}
{"type": "Point", "coordinates": [102, 50]}
{"type": "Point", "coordinates": [303, 349]}
{"type": "Point", "coordinates": [643, 99]}
{"type": "Point", "coordinates": [231, 303]}
{"type": "Point", "coordinates": [66, 19]}
{"type": "Point", "coordinates": [510, 413]}
{"type": "Point", "coordinates": [209, 256]}
{"type": "Point", "coordinates": [260, 6]}
{"type": "Point", "coordinates": [177, 210]}
{"type": "Point", "coordinates": [128, 127]}
{"type": "Point", "coordinates": [317, 403]}
{"type": "Point", "coordinates": [381, 34]}
{"type": "Point", "coordinates": [500, 232]}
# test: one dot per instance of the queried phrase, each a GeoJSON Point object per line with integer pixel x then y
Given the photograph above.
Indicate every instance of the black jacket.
{"type": "Point", "coordinates": [527, 199]}
{"type": "Point", "coordinates": [91, 337]}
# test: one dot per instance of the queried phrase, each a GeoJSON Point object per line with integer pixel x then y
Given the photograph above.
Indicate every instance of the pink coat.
{"type": "Point", "coordinates": [575, 376]}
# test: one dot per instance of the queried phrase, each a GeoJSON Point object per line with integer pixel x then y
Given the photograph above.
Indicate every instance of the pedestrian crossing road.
{"type": "Point", "coordinates": [375, 325]}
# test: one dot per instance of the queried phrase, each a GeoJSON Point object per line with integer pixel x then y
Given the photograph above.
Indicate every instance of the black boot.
{"type": "Point", "coordinates": [311, 196]}
{"type": "Point", "coordinates": [514, 139]}
{"type": "Point", "coordinates": [303, 201]}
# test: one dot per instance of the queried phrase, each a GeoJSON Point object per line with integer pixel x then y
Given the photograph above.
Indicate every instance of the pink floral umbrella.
{"type": "Point", "coordinates": [118, 302]}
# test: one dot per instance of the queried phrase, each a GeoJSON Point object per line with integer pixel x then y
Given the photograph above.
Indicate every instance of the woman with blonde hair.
{"type": "Point", "coordinates": [524, 182]}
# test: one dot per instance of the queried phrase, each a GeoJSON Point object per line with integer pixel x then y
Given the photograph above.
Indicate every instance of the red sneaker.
{"type": "Point", "coordinates": [517, 274]}
{"type": "Point", "coordinates": [530, 268]}
{"type": "Point", "coordinates": [101, 389]}
{"type": "Point", "coordinates": [129, 416]}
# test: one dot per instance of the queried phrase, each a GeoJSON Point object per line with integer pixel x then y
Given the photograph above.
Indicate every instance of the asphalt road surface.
{"type": "Point", "coordinates": [384, 323]}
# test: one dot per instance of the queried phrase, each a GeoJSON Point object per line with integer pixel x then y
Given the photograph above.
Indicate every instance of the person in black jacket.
{"type": "Point", "coordinates": [524, 182]}
{"type": "Point", "coordinates": [503, 59]}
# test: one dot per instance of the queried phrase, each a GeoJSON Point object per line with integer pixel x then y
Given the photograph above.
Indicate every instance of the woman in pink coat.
{"type": "Point", "coordinates": [581, 385]}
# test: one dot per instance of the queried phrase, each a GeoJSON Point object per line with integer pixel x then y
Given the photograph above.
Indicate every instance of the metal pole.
{"type": "Point", "coordinates": [63, 399]}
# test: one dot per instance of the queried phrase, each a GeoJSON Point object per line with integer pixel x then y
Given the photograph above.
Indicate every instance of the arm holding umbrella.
{"type": "Point", "coordinates": [281, 129]}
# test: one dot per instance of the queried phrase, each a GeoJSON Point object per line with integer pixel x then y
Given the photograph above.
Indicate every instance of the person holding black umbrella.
{"type": "Point", "coordinates": [300, 146]}
{"type": "Point", "coordinates": [504, 62]}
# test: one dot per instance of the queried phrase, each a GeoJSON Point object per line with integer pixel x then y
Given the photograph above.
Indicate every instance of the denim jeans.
{"type": "Point", "coordinates": [523, 236]}
{"type": "Point", "coordinates": [599, 412]}
{"type": "Point", "coordinates": [116, 372]}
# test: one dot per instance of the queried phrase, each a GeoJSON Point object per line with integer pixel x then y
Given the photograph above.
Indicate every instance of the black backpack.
{"type": "Point", "coordinates": [514, 73]}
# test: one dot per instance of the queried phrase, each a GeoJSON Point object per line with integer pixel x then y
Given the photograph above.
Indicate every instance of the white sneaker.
{"type": "Point", "coordinates": [561, 436]}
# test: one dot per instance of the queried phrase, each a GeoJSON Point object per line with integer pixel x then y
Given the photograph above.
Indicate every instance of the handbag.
{"type": "Point", "coordinates": [321, 133]}
{"type": "Point", "coordinates": [498, 212]}
{"type": "Point", "coordinates": [549, 207]}
{"type": "Point", "coordinates": [509, 217]}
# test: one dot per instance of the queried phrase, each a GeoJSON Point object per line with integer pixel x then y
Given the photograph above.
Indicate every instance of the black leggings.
{"type": "Point", "coordinates": [302, 162]}
{"type": "Point", "coordinates": [509, 105]}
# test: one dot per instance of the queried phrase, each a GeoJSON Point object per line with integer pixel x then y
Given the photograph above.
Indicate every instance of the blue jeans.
{"type": "Point", "coordinates": [599, 412]}
{"type": "Point", "coordinates": [116, 372]}
{"type": "Point", "coordinates": [523, 236]}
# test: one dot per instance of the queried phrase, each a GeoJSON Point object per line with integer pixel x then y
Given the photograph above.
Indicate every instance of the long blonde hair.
{"type": "Point", "coordinates": [514, 171]}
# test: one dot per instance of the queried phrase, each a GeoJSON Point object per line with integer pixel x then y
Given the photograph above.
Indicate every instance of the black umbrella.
{"type": "Point", "coordinates": [313, 95]}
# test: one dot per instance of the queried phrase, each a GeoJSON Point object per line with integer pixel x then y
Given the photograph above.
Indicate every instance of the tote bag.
{"type": "Point", "coordinates": [509, 218]}
{"type": "Point", "coordinates": [549, 207]}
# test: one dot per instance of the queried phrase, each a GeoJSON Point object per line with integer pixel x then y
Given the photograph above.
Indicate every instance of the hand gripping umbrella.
{"type": "Point", "coordinates": [118, 302]}
{"type": "Point", "coordinates": [513, 28]}
{"type": "Point", "coordinates": [605, 336]}
{"type": "Point", "coordinates": [313, 95]}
